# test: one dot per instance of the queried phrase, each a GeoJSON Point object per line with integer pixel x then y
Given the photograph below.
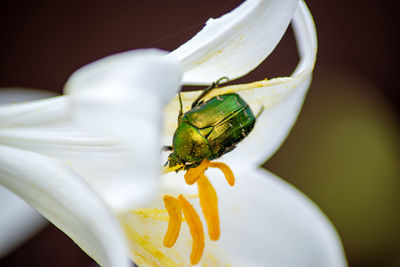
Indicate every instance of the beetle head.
{"type": "Point", "coordinates": [175, 161]}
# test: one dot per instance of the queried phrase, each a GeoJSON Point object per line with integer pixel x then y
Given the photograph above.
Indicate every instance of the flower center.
{"type": "Point", "coordinates": [178, 210]}
{"type": "Point", "coordinates": [209, 205]}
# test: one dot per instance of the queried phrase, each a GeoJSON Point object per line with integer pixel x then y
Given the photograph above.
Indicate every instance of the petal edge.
{"type": "Point", "coordinates": [56, 191]}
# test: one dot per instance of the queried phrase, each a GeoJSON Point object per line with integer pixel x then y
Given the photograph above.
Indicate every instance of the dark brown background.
{"type": "Point", "coordinates": [343, 152]}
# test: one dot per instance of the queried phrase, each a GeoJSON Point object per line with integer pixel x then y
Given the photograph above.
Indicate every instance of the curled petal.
{"type": "Point", "coordinates": [67, 201]}
{"type": "Point", "coordinates": [124, 91]}
{"type": "Point", "coordinates": [18, 220]}
{"type": "Point", "coordinates": [120, 97]}
{"type": "Point", "coordinates": [235, 43]}
{"type": "Point", "coordinates": [281, 99]}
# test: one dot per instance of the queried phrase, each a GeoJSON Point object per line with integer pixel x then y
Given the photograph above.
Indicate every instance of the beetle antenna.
{"type": "Point", "coordinates": [208, 89]}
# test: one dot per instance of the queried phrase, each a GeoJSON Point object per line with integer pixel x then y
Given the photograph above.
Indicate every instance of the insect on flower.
{"type": "Point", "coordinates": [206, 132]}
{"type": "Point", "coordinates": [88, 142]}
{"type": "Point", "coordinates": [209, 129]}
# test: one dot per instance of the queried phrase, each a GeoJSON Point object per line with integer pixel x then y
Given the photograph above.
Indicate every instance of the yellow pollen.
{"type": "Point", "coordinates": [208, 202]}
{"type": "Point", "coordinates": [148, 247]}
{"type": "Point", "coordinates": [196, 229]}
{"type": "Point", "coordinates": [209, 205]}
{"type": "Point", "coordinates": [226, 170]}
{"type": "Point", "coordinates": [175, 220]}
{"type": "Point", "coordinates": [155, 214]}
{"type": "Point", "coordinates": [193, 174]}
{"type": "Point", "coordinates": [147, 212]}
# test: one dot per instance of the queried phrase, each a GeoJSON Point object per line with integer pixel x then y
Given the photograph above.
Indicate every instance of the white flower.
{"type": "Point", "coordinates": [90, 161]}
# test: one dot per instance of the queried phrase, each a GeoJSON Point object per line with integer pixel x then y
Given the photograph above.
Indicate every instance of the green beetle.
{"type": "Point", "coordinates": [209, 129]}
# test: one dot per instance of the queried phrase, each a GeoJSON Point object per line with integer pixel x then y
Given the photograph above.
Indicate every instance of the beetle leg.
{"type": "Point", "coordinates": [180, 109]}
{"type": "Point", "coordinates": [229, 148]}
{"type": "Point", "coordinates": [219, 81]}
{"type": "Point", "coordinates": [208, 89]}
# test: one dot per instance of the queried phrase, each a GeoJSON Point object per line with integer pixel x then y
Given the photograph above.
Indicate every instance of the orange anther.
{"type": "Point", "coordinates": [193, 174]}
{"type": "Point", "coordinates": [175, 220]}
{"type": "Point", "coordinates": [225, 169]}
{"type": "Point", "coordinates": [196, 229]}
{"type": "Point", "coordinates": [209, 205]}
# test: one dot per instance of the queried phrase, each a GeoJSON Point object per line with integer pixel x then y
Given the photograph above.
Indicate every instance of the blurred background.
{"type": "Point", "coordinates": [344, 151]}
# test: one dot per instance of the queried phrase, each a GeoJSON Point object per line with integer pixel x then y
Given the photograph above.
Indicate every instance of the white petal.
{"type": "Point", "coordinates": [66, 200]}
{"type": "Point", "coordinates": [118, 94]}
{"type": "Point", "coordinates": [50, 110]}
{"type": "Point", "coordinates": [102, 162]}
{"type": "Point", "coordinates": [236, 43]}
{"type": "Point", "coordinates": [306, 38]}
{"type": "Point", "coordinates": [18, 221]}
{"type": "Point", "coordinates": [122, 96]}
{"type": "Point", "coordinates": [281, 99]}
{"type": "Point", "coordinates": [266, 222]}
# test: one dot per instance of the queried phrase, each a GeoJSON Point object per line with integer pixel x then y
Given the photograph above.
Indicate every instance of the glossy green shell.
{"type": "Point", "coordinates": [211, 129]}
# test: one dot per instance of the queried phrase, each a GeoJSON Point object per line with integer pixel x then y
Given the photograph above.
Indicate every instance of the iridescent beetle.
{"type": "Point", "coordinates": [209, 129]}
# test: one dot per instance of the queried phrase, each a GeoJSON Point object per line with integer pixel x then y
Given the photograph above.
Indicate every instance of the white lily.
{"type": "Point", "coordinates": [90, 161]}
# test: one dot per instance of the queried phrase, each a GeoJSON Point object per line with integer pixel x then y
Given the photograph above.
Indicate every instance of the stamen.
{"type": "Point", "coordinates": [209, 205]}
{"type": "Point", "coordinates": [225, 169]}
{"type": "Point", "coordinates": [193, 174]}
{"type": "Point", "coordinates": [175, 220]}
{"type": "Point", "coordinates": [196, 229]}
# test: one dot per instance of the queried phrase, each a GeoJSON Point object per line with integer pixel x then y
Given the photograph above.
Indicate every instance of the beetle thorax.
{"type": "Point", "coordinates": [190, 146]}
